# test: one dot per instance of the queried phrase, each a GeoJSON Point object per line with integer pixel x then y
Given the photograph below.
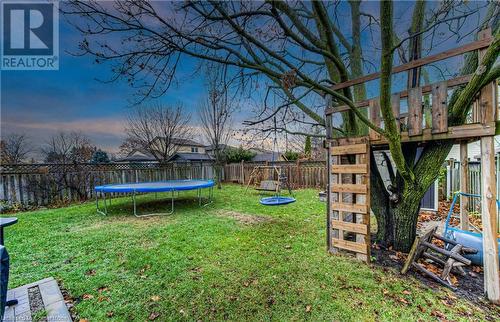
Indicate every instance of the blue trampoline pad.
{"type": "Point", "coordinates": [276, 201]}
{"type": "Point", "coordinates": [159, 186]}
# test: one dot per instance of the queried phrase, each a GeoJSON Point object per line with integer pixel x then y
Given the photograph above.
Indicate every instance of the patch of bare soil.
{"type": "Point", "coordinates": [245, 219]}
{"type": "Point", "coordinates": [469, 287]}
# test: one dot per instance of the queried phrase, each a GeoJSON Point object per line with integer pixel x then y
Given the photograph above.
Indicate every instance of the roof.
{"type": "Point", "coordinates": [186, 156]}
{"type": "Point", "coordinates": [221, 146]}
{"type": "Point", "coordinates": [137, 156]}
{"type": "Point", "coordinates": [180, 141]}
{"type": "Point", "coordinates": [271, 156]}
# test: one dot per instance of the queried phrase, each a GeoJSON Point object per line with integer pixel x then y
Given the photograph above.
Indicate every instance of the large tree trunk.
{"type": "Point", "coordinates": [405, 215]}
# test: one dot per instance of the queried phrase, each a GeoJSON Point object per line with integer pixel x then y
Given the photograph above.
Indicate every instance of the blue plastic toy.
{"type": "Point", "coordinates": [463, 237]}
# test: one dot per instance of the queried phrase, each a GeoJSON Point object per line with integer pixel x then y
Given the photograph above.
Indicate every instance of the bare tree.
{"type": "Point", "coordinates": [215, 113]}
{"type": "Point", "coordinates": [128, 146]}
{"type": "Point", "coordinates": [158, 129]}
{"type": "Point", "coordinates": [295, 51]}
{"type": "Point", "coordinates": [69, 153]}
{"type": "Point", "coordinates": [68, 147]}
{"type": "Point", "coordinates": [15, 148]}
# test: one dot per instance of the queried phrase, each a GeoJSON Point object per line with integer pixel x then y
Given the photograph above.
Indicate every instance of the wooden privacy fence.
{"type": "Point", "coordinates": [44, 184]}
{"type": "Point", "coordinates": [301, 174]}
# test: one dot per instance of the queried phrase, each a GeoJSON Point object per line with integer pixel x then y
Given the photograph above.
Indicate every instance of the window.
{"type": "Point", "coordinates": [194, 149]}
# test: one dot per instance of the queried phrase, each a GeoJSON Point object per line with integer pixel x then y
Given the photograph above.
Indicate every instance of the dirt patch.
{"type": "Point", "coordinates": [245, 219]}
{"type": "Point", "coordinates": [469, 287]}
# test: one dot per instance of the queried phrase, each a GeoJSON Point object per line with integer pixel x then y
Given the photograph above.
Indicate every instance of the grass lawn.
{"type": "Point", "coordinates": [233, 259]}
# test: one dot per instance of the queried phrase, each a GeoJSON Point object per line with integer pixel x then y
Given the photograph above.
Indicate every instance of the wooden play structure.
{"type": "Point", "coordinates": [348, 206]}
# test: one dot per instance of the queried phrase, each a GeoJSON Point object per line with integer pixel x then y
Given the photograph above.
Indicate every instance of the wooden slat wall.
{"type": "Point", "coordinates": [349, 208]}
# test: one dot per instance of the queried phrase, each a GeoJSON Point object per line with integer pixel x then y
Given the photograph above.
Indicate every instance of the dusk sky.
{"type": "Point", "coordinates": [41, 103]}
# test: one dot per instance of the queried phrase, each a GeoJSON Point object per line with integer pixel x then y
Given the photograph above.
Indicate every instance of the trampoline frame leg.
{"type": "Point", "coordinates": [105, 212]}
{"type": "Point", "coordinates": [157, 214]}
{"type": "Point", "coordinates": [210, 197]}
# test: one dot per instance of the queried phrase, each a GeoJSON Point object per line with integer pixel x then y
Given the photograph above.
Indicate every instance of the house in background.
{"type": "Point", "coordinates": [185, 150]}
{"type": "Point", "coordinates": [210, 148]}
{"type": "Point", "coordinates": [262, 155]}
{"type": "Point", "coordinates": [473, 150]}
{"type": "Point", "coordinates": [190, 157]}
{"type": "Point", "coordinates": [137, 156]}
{"type": "Point", "coordinates": [268, 157]}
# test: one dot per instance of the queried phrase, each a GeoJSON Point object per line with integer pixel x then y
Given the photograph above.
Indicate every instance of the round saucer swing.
{"type": "Point", "coordinates": [271, 184]}
{"type": "Point", "coordinates": [276, 200]}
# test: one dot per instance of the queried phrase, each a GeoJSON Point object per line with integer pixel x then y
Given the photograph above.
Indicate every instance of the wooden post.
{"type": "Point", "coordinates": [464, 186]}
{"type": "Point", "coordinates": [299, 181]}
{"type": "Point", "coordinates": [489, 219]}
{"type": "Point", "coordinates": [329, 174]}
{"type": "Point", "coordinates": [242, 174]}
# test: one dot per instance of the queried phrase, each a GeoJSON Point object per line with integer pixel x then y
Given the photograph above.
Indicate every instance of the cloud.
{"type": "Point", "coordinates": [98, 125]}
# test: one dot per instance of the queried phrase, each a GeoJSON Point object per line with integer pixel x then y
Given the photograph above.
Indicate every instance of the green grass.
{"type": "Point", "coordinates": [201, 263]}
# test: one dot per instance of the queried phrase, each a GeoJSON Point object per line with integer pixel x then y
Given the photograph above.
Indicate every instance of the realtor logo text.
{"type": "Point", "coordinates": [30, 35]}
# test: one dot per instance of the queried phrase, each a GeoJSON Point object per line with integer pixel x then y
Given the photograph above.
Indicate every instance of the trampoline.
{"type": "Point", "coordinates": [159, 186]}
{"type": "Point", "coordinates": [276, 201]}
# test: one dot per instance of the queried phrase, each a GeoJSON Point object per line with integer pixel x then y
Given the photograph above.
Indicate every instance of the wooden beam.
{"type": "Point", "coordinates": [349, 245]}
{"type": "Point", "coordinates": [464, 186]}
{"type": "Point", "coordinates": [348, 207]}
{"type": "Point", "coordinates": [415, 116]}
{"type": "Point", "coordinates": [479, 44]}
{"type": "Point", "coordinates": [487, 97]}
{"type": "Point", "coordinates": [349, 149]}
{"type": "Point", "coordinates": [350, 168]}
{"type": "Point", "coordinates": [375, 117]}
{"type": "Point", "coordinates": [439, 108]}
{"type": "Point", "coordinates": [489, 220]}
{"type": "Point", "coordinates": [351, 227]}
{"type": "Point", "coordinates": [454, 132]}
{"type": "Point", "coordinates": [350, 188]}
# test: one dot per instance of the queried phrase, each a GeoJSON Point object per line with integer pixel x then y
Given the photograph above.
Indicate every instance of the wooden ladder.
{"type": "Point", "coordinates": [349, 196]}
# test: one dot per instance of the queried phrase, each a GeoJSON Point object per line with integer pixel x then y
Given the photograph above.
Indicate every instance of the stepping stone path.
{"type": "Point", "coordinates": [38, 301]}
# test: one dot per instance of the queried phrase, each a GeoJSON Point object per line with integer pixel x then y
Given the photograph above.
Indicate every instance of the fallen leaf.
{"type": "Point", "coordinates": [102, 298]}
{"type": "Point", "coordinates": [87, 296]}
{"type": "Point", "coordinates": [102, 289]}
{"type": "Point", "coordinates": [110, 314]}
{"type": "Point", "coordinates": [308, 308]}
{"type": "Point", "coordinates": [90, 272]}
{"type": "Point", "coordinates": [402, 300]}
{"type": "Point", "coordinates": [406, 292]}
{"type": "Point", "coordinates": [421, 308]}
{"type": "Point", "coordinates": [83, 320]}
{"type": "Point", "coordinates": [155, 298]}
{"type": "Point", "coordinates": [438, 314]}
{"type": "Point", "coordinates": [153, 315]}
